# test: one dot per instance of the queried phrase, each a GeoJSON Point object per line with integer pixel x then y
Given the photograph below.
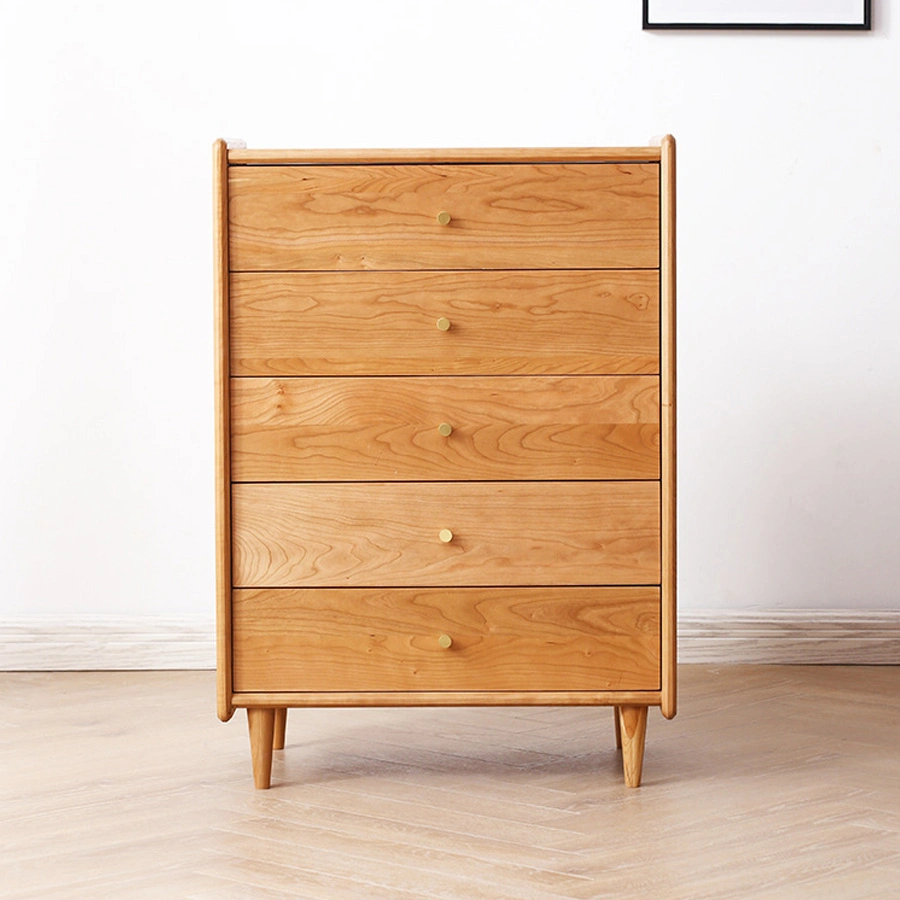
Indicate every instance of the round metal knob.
{"type": "Point", "coordinates": [443, 324]}
{"type": "Point", "coordinates": [446, 535]}
{"type": "Point", "coordinates": [445, 641]}
{"type": "Point", "coordinates": [445, 429]}
{"type": "Point", "coordinates": [443, 217]}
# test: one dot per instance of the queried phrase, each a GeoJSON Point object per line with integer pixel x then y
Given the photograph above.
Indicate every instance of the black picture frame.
{"type": "Point", "coordinates": [654, 22]}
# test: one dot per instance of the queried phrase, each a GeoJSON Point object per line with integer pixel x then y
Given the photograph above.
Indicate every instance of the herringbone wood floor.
{"type": "Point", "coordinates": [773, 782]}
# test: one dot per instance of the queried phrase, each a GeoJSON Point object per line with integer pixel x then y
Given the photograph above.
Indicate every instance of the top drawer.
{"type": "Point", "coordinates": [312, 217]}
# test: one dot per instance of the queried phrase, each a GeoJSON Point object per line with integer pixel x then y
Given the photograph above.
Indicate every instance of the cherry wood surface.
{"type": "Point", "coordinates": [261, 722]}
{"type": "Point", "coordinates": [420, 698]}
{"type": "Point", "coordinates": [372, 429]}
{"type": "Point", "coordinates": [446, 415]}
{"type": "Point", "coordinates": [540, 639]}
{"type": "Point", "coordinates": [222, 400]}
{"type": "Point", "coordinates": [668, 438]}
{"type": "Point", "coordinates": [630, 734]}
{"type": "Point", "coordinates": [501, 323]}
{"type": "Point", "coordinates": [306, 156]}
{"type": "Point", "coordinates": [503, 533]}
{"type": "Point", "coordinates": [577, 215]}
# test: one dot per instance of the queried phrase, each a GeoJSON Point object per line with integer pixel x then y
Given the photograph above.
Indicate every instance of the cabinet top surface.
{"type": "Point", "coordinates": [465, 155]}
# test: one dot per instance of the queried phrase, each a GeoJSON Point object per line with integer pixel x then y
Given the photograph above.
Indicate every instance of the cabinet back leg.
{"type": "Point", "coordinates": [633, 728]}
{"type": "Point", "coordinates": [280, 728]}
{"type": "Point", "coordinates": [261, 723]}
{"type": "Point", "coordinates": [618, 728]}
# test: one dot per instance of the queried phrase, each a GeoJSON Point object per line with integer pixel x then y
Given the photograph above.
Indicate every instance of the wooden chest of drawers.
{"type": "Point", "coordinates": [445, 432]}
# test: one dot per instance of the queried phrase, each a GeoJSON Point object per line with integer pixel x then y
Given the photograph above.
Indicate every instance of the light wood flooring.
{"type": "Point", "coordinates": [772, 782]}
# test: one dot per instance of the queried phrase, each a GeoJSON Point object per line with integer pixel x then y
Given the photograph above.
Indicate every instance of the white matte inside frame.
{"type": "Point", "coordinates": [756, 12]}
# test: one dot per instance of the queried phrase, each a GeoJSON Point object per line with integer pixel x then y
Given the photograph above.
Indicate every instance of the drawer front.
{"type": "Point", "coordinates": [558, 216]}
{"type": "Point", "coordinates": [500, 323]}
{"type": "Point", "coordinates": [435, 534]}
{"type": "Point", "coordinates": [500, 639]}
{"type": "Point", "coordinates": [403, 429]}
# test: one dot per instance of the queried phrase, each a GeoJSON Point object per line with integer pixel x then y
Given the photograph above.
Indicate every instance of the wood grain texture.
{"type": "Point", "coordinates": [668, 435]}
{"type": "Point", "coordinates": [280, 728]}
{"type": "Point", "coordinates": [344, 488]}
{"type": "Point", "coordinates": [221, 316]}
{"type": "Point", "coordinates": [502, 216]}
{"type": "Point", "coordinates": [632, 731]}
{"type": "Point", "coordinates": [544, 639]}
{"type": "Point", "coordinates": [387, 429]}
{"type": "Point", "coordinates": [502, 323]}
{"type": "Point", "coordinates": [124, 785]}
{"type": "Point", "coordinates": [434, 155]}
{"type": "Point", "coordinates": [504, 533]}
{"type": "Point", "coordinates": [261, 725]}
{"type": "Point", "coordinates": [379, 699]}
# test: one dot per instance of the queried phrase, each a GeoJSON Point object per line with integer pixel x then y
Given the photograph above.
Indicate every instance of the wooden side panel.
{"type": "Point", "coordinates": [390, 429]}
{"type": "Point", "coordinates": [501, 323]}
{"type": "Point", "coordinates": [500, 216]}
{"type": "Point", "coordinates": [500, 533]}
{"type": "Point", "coordinates": [222, 432]}
{"type": "Point", "coordinates": [668, 460]}
{"type": "Point", "coordinates": [499, 639]}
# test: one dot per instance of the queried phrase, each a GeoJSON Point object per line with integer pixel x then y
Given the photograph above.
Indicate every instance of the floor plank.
{"type": "Point", "coordinates": [772, 782]}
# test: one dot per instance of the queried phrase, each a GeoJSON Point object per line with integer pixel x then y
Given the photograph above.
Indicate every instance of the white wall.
{"type": "Point", "coordinates": [789, 154]}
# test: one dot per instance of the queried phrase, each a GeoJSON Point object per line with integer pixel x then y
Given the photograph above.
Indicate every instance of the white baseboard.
{"type": "Point", "coordinates": [798, 637]}
{"type": "Point", "coordinates": [791, 637]}
{"type": "Point", "coordinates": [96, 643]}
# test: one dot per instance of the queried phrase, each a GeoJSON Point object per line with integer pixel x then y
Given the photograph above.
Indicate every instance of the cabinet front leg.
{"type": "Point", "coordinates": [632, 727]}
{"type": "Point", "coordinates": [280, 728]}
{"type": "Point", "coordinates": [262, 732]}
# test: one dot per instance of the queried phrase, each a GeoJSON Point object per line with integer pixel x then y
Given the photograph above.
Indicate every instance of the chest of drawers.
{"type": "Point", "coordinates": [445, 432]}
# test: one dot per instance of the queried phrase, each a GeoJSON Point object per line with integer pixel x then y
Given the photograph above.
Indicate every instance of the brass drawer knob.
{"type": "Point", "coordinates": [445, 641]}
{"type": "Point", "coordinates": [443, 217]}
{"type": "Point", "coordinates": [445, 429]}
{"type": "Point", "coordinates": [443, 324]}
{"type": "Point", "coordinates": [446, 535]}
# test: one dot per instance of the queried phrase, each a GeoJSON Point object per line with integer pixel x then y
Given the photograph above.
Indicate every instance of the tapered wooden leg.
{"type": "Point", "coordinates": [633, 728]}
{"type": "Point", "coordinates": [618, 729]}
{"type": "Point", "coordinates": [280, 728]}
{"type": "Point", "coordinates": [262, 732]}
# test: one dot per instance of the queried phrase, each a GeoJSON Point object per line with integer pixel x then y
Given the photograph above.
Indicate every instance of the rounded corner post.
{"type": "Point", "coordinates": [224, 685]}
{"type": "Point", "coordinates": [668, 415]}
